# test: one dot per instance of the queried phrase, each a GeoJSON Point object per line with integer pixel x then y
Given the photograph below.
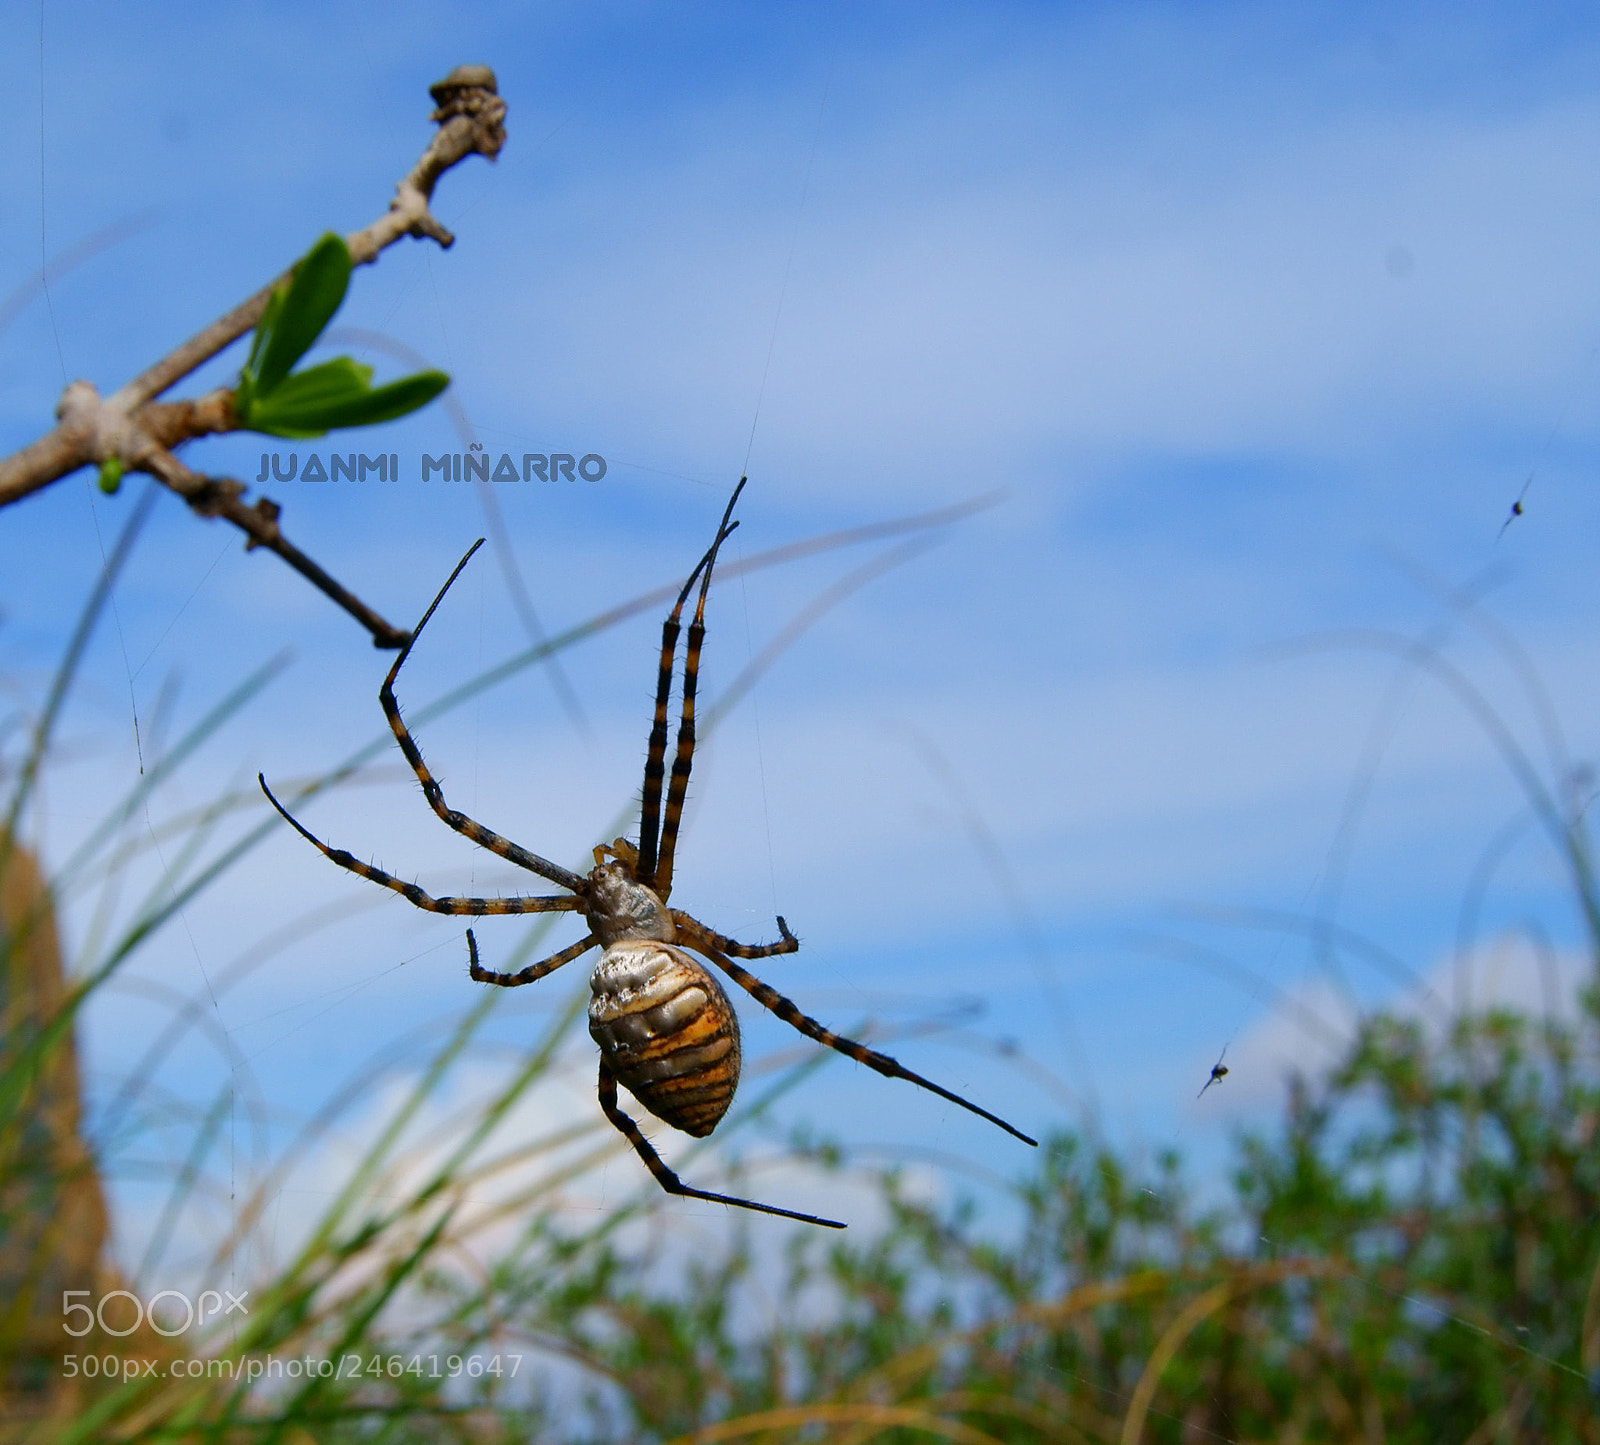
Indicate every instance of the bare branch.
{"type": "Point", "coordinates": [470, 117]}
{"type": "Point", "coordinates": [133, 428]}
{"type": "Point", "coordinates": [220, 497]}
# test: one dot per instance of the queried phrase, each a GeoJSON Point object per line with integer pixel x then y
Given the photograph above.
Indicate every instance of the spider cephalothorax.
{"type": "Point", "coordinates": [665, 1027]}
{"type": "Point", "coordinates": [620, 906]}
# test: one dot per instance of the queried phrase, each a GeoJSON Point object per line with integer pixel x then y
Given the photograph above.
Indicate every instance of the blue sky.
{"type": "Point", "coordinates": [1260, 317]}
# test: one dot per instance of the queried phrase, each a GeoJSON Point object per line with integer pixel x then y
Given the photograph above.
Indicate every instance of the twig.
{"type": "Point", "coordinates": [219, 497]}
{"type": "Point", "coordinates": [131, 427]}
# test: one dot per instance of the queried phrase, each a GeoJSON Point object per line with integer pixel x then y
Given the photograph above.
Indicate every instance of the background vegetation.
{"type": "Point", "coordinates": [1412, 1254]}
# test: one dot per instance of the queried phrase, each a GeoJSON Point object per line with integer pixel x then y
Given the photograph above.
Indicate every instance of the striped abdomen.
{"type": "Point", "coordinates": [668, 1032]}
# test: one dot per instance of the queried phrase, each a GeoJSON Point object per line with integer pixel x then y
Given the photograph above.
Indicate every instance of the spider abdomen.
{"type": "Point", "coordinates": [667, 1031]}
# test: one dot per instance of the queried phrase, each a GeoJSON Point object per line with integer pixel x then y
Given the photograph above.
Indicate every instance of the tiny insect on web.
{"type": "Point", "coordinates": [665, 1027]}
{"type": "Point", "coordinates": [1219, 1071]}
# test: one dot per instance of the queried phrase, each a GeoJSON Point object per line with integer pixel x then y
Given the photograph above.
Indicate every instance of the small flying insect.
{"type": "Point", "coordinates": [665, 1027]}
{"type": "Point", "coordinates": [1219, 1071]}
{"type": "Point", "coordinates": [1517, 509]}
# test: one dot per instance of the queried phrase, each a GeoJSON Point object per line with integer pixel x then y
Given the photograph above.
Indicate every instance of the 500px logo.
{"type": "Point", "coordinates": [143, 1311]}
{"type": "Point", "coordinates": [451, 467]}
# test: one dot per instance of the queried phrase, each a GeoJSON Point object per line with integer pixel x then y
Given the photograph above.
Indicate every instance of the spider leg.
{"type": "Point", "coordinates": [467, 827]}
{"type": "Point", "coordinates": [790, 943]}
{"type": "Point", "coordinates": [476, 907]}
{"type": "Point", "coordinates": [665, 1177]}
{"type": "Point", "coordinates": [678, 787]}
{"type": "Point", "coordinates": [698, 938]}
{"type": "Point", "coordinates": [532, 971]}
{"type": "Point", "coordinates": [655, 763]}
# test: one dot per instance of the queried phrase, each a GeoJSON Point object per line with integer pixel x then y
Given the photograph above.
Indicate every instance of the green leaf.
{"type": "Point", "coordinates": [111, 470]}
{"type": "Point", "coordinates": [303, 311]}
{"type": "Point", "coordinates": [269, 398]}
{"type": "Point", "coordinates": [338, 394]}
{"type": "Point", "coordinates": [264, 329]}
{"type": "Point", "coordinates": [397, 398]}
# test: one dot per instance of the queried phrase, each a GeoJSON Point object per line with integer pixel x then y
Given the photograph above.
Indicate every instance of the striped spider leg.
{"type": "Point", "coordinates": [467, 827]}
{"type": "Point", "coordinates": [665, 1027]}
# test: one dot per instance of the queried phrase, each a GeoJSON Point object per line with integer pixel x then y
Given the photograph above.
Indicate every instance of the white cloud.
{"type": "Point", "coordinates": [1309, 1027]}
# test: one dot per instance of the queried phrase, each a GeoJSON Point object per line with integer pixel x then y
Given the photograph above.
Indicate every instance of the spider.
{"type": "Point", "coordinates": [665, 1027]}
